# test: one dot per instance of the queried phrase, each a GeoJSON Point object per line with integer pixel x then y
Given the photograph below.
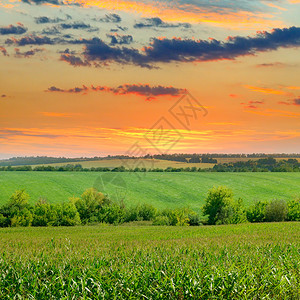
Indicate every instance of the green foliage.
{"type": "Point", "coordinates": [161, 221]}
{"type": "Point", "coordinates": [22, 218]}
{"type": "Point", "coordinates": [276, 211]}
{"type": "Point", "coordinates": [18, 200]}
{"type": "Point", "coordinates": [90, 204]}
{"type": "Point", "coordinates": [293, 210]}
{"type": "Point", "coordinates": [256, 213]}
{"type": "Point", "coordinates": [221, 208]}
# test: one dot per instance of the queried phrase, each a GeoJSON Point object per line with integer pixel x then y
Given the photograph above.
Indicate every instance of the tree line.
{"type": "Point", "coordinates": [261, 165]}
{"type": "Point", "coordinates": [180, 157]}
{"type": "Point", "coordinates": [94, 207]}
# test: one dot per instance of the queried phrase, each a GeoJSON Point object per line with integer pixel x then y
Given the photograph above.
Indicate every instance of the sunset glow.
{"type": "Point", "coordinates": [92, 78]}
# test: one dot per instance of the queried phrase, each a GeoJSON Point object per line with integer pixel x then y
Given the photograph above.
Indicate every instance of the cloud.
{"type": "Point", "coordinates": [11, 29]}
{"type": "Point", "coordinates": [268, 65]}
{"type": "Point", "coordinates": [39, 2]}
{"type": "Point", "coordinates": [252, 104]}
{"type": "Point", "coordinates": [110, 18]}
{"type": "Point", "coordinates": [265, 90]}
{"type": "Point", "coordinates": [51, 31]}
{"type": "Point", "coordinates": [75, 25]}
{"type": "Point", "coordinates": [158, 22]}
{"type": "Point", "coordinates": [45, 20]}
{"type": "Point", "coordinates": [189, 50]}
{"type": "Point", "coordinates": [30, 40]}
{"type": "Point", "coordinates": [291, 102]}
{"type": "Point", "coordinates": [74, 60]}
{"type": "Point", "coordinates": [144, 90]}
{"type": "Point", "coordinates": [28, 53]}
{"type": "Point", "coordinates": [120, 39]}
{"type": "Point", "coordinates": [3, 51]}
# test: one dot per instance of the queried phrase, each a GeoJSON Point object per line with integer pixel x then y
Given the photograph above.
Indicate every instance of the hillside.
{"type": "Point", "coordinates": [160, 189]}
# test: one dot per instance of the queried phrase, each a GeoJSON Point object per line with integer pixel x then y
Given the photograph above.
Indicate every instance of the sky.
{"type": "Point", "coordinates": [85, 78]}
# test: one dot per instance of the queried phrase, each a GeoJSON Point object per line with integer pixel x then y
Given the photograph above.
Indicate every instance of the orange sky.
{"type": "Point", "coordinates": [252, 98]}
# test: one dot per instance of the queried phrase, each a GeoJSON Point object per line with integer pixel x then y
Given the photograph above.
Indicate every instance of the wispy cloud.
{"type": "Point", "coordinates": [144, 90]}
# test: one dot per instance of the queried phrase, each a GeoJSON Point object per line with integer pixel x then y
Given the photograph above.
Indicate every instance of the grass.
{"type": "Point", "coordinates": [160, 189]}
{"type": "Point", "coordinates": [249, 261]}
{"type": "Point", "coordinates": [133, 163]}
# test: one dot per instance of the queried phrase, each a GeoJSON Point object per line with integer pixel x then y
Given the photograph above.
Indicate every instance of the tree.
{"type": "Point", "coordinates": [221, 208]}
{"type": "Point", "coordinates": [276, 211]}
{"type": "Point", "coordinates": [216, 203]}
{"type": "Point", "coordinates": [89, 205]}
{"type": "Point", "coordinates": [256, 213]}
{"type": "Point", "coordinates": [294, 210]}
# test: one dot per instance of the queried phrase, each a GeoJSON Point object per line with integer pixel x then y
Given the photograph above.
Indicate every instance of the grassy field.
{"type": "Point", "coordinates": [160, 189]}
{"type": "Point", "coordinates": [133, 163]}
{"type": "Point", "coordinates": [249, 261]}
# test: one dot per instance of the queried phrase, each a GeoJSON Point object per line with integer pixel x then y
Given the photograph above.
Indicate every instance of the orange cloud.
{"type": "Point", "coordinates": [276, 6]}
{"type": "Point", "coordinates": [265, 90]}
{"type": "Point", "coordinates": [275, 113]}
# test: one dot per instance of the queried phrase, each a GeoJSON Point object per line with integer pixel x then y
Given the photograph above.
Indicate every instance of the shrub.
{"type": "Point", "coordinates": [293, 210]}
{"type": "Point", "coordinates": [22, 218]}
{"type": "Point", "coordinates": [4, 222]}
{"type": "Point", "coordinates": [161, 221]}
{"type": "Point", "coordinates": [256, 213]}
{"type": "Point", "coordinates": [147, 212]}
{"type": "Point", "coordinates": [194, 219]}
{"type": "Point", "coordinates": [90, 204]}
{"type": "Point", "coordinates": [276, 211]}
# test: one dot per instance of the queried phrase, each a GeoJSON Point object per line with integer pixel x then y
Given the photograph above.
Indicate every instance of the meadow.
{"type": "Point", "coordinates": [247, 261]}
{"type": "Point", "coordinates": [132, 163]}
{"type": "Point", "coordinates": [162, 190]}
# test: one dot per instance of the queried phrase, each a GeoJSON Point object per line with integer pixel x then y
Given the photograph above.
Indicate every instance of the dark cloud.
{"type": "Point", "coordinates": [38, 2]}
{"type": "Point", "coordinates": [110, 18]}
{"type": "Point", "coordinates": [3, 51]}
{"type": "Point", "coordinates": [11, 29]}
{"type": "Point", "coordinates": [51, 31]}
{"type": "Point", "coordinates": [157, 22]}
{"type": "Point", "coordinates": [252, 104]}
{"type": "Point", "coordinates": [189, 50]}
{"type": "Point", "coordinates": [45, 20]}
{"type": "Point", "coordinates": [291, 102]}
{"type": "Point", "coordinates": [28, 53]}
{"type": "Point", "coordinates": [145, 90]}
{"type": "Point", "coordinates": [75, 25]}
{"type": "Point", "coordinates": [120, 39]}
{"type": "Point", "coordinates": [74, 60]}
{"type": "Point", "coordinates": [30, 40]}
{"type": "Point", "coordinates": [267, 65]}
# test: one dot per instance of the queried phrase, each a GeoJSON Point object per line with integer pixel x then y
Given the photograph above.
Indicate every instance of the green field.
{"type": "Point", "coordinates": [133, 163]}
{"type": "Point", "coordinates": [159, 189]}
{"type": "Point", "coordinates": [249, 261]}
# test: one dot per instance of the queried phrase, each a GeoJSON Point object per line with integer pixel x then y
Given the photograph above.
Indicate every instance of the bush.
{"type": "Point", "coordinates": [90, 205]}
{"type": "Point", "coordinates": [256, 213]}
{"type": "Point", "coordinates": [161, 221]}
{"type": "Point", "coordinates": [4, 222]}
{"type": "Point", "coordinates": [23, 218]}
{"type": "Point", "coordinates": [194, 219]}
{"type": "Point", "coordinates": [293, 210]}
{"type": "Point", "coordinates": [276, 211]}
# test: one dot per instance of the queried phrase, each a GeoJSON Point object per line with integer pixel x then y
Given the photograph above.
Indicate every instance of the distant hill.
{"type": "Point", "coordinates": [177, 157]}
